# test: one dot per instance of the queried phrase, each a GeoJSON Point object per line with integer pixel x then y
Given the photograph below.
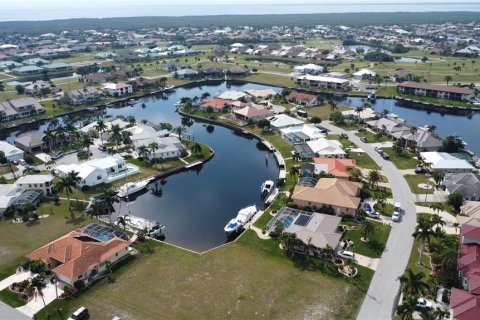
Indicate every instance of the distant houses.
{"type": "Point", "coordinates": [303, 99]}
{"type": "Point", "coordinates": [117, 89]}
{"type": "Point", "coordinates": [85, 95]}
{"type": "Point", "coordinates": [323, 82]}
{"type": "Point", "coordinates": [435, 91]}
{"type": "Point", "coordinates": [20, 108]}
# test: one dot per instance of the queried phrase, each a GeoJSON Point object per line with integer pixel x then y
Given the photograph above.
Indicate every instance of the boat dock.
{"type": "Point", "coordinates": [268, 145]}
{"type": "Point", "coordinates": [193, 164]}
{"type": "Point", "coordinates": [135, 224]}
{"type": "Point", "coordinates": [273, 195]}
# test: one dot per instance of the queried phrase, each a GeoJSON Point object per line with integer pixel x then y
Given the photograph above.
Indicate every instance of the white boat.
{"type": "Point", "coordinates": [372, 97]}
{"type": "Point", "coordinates": [169, 88]}
{"type": "Point", "coordinates": [266, 188]}
{"type": "Point", "coordinates": [243, 216]}
{"type": "Point", "coordinates": [130, 188]}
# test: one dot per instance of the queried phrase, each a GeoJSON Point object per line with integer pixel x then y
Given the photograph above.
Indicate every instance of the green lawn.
{"type": "Point", "coordinates": [6, 169]}
{"type": "Point", "coordinates": [248, 279]}
{"type": "Point", "coordinates": [204, 153]}
{"type": "Point", "coordinates": [346, 143]}
{"type": "Point", "coordinates": [413, 261]}
{"type": "Point", "coordinates": [18, 239]}
{"type": "Point", "coordinates": [11, 298]}
{"type": "Point", "coordinates": [404, 161]}
{"type": "Point", "coordinates": [324, 111]}
{"type": "Point", "coordinates": [377, 241]}
{"type": "Point", "coordinates": [446, 207]}
{"type": "Point", "coordinates": [364, 160]}
{"type": "Point", "coordinates": [414, 180]}
{"type": "Point", "coordinates": [372, 137]}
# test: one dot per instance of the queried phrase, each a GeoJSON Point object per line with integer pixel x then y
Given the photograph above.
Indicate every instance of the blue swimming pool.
{"type": "Point", "coordinates": [287, 221]}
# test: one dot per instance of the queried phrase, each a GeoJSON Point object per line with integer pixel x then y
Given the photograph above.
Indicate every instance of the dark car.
{"type": "Point", "coordinates": [344, 135]}
{"type": "Point", "coordinates": [102, 148]}
{"type": "Point", "coordinates": [363, 139]}
{"type": "Point", "coordinates": [420, 170]}
{"type": "Point", "coordinates": [385, 156]}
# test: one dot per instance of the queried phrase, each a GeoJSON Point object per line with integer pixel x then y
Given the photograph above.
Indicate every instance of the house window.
{"type": "Point", "coordinates": [99, 177]}
{"type": "Point", "coordinates": [116, 254]}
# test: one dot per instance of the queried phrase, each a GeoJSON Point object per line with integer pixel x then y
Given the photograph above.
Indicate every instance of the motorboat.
{"type": "Point", "coordinates": [243, 216]}
{"type": "Point", "coordinates": [130, 188]}
{"type": "Point", "coordinates": [372, 97]}
{"type": "Point", "coordinates": [266, 188]}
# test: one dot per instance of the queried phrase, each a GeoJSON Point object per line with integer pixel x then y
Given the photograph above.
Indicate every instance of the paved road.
{"type": "Point", "coordinates": [382, 295]}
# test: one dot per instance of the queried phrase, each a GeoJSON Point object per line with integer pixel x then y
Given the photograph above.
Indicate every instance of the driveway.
{"type": "Point", "coordinates": [382, 296]}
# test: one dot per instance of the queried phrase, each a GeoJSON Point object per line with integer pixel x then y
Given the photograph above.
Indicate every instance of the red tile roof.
{"type": "Point", "coordinates": [250, 112]}
{"type": "Point", "coordinates": [337, 167]}
{"type": "Point", "coordinates": [470, 231]}
{"type": "Point", "coordinates": [215, 103]}
{"type": "Point", "coordinates": [301, 96]}
{"type": "Point", "coordinates": [466, 306]}
{"type": "Point", "coordinates": [74, 254]}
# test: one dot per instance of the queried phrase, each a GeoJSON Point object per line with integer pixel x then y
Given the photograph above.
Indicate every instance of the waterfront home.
{"type": "Point", "coordinates": [117, 89]}
{"type": "Point", "coordinates": [326, 148]}
{"type": "Point", "coordinates": [30, 141]}
{"type": "Point", "coordinates": [10, 151]}
{"type": "Point", "coordinates": [337, 167]}
{"type": "Point", "coordinates": [303, 99]}
{"type": "Point", "coordinates": [388, 126]}
{"type": "Point", "coordinates": [83, 254]}
{"type": "Point", "coordinates": [282, 121]}
{"type": "Point", "coordinates": [234, 95]}
{"type": "Point", "coordinates": [20, 108]}
{"type": "Point", "coordinates": [339, 194]}
{"type": "Point", "coordinates": [364, 74]}
{"type": "Point", "coordinates": [212, 72]}
{"type": "Point", "coordinates": [238, 71]}
{"type": "Point", "coordinates": [251, 114]}
{"type": "Point", "coordinates": [167, 148]}
{"type": "Point", "coordinates": [465, 303]}
{"type": "Point", "coordinates": [98, 171]}
{"type": "Point", "coordinates": [43, 182]}
{"type": "Point", "coordinates": [140, 132]}
{"type": "Point", "coordinates": [8, 194]}
{"type": "Point", "coordinates": [216, 104]}
{"type": "Point", "coordinates": [436, 91]}
{"type": "Point", "coordinates": [301, 133]}
{"type": "Point", "coordinates": [186, 73]}
{"type": "Point", "coordinates": [262, 93]}
{"type": "Point", "coordinates": [468, 184]}
{"type": "Point", "coordinates": [365, 114]}
{"type": "Point", "coordinates": [323, 82]}
{"type": "Point", "coordinates": [310, 68]}
{"type": "Point", "coordinates": [422, 140]}
{"type": "Point", "coordinates": [85, 95]}
{"type": "Point", "coordinates": [445, 162]}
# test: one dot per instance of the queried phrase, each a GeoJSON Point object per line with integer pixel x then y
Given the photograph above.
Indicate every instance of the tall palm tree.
{"type": "Point", "coordinates": [367, 228]}
{"type": "Point", "coordinates": [86, 143]}
{"type": "Point", "coordinates": [116, 134]}
{"type": "Point", "coordinates": [423, 233]}
{"type": "Point", "coordinates": [294, 172]}
{"type": "Point", "coordinates": [153, 146]}
{"type": "Point", "coordinates": [440, 314]}
{"type": "Point", "coordinates": [180, 130]}
{"type": "Point", "coordinates": [333, 105]}
{"type": "Point", "coordinates": [413, 284]}
{"type": "Point", "coordinates": [101, 127]}
{"type": "Point", "coordinates": [373, 178]}
{"type": "Point", "coordinates": [49, 138]}
{"type": "Point", "coordinates": [110, 197]}
{"type": "Point", "coordinates": [308, 247]}
{"type": "Point", "coordinates": [97, 209]}
{"type": "Point", "coordinates": [143, 151]}
{"type": "Point", "coordinates": [123, 220]}
{"type": "Point", "coordinates": [448, 78]}
{"type": "Point", "coordinates": [407, 308]}
{"type": "Point", "coordinates": [67, 183]}
{"type": "Point", "coordinates": [39, 283]}
{"type": "Point", "coordinates": [52, 126]}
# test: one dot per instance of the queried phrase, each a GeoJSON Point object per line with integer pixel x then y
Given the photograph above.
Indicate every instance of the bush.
{"type": "Point", "coordinates": [79, 284]}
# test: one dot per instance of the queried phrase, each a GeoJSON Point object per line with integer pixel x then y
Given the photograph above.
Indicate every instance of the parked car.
{"type": "Point", "coordinates": [396, 216]}
{"type": "Point", "coordinates": [367, 207]}
{"type": "Point", "coordinates": [363, 139]}
{"type": "Point", "coordinates": [378, 149]}
{"type": "Point", "coordinates": [385, 156]}
{"type": "Point", "coordinates": [22, 162]}
{"type": "Point", "coordinates": [397, 206]}
{"type": "Point", "coordinates": [374, 214]}
{"type": "Point", "coordinates": [80, 314]}
{"type": "Point", "coordinates": [56, 155]}
{"type": "Point", "coordinates": [344, 135]}
{"type": "Point", "coordinates": [420, 170]}
{"type": "Point", "coordinates": [14, 162]}
{"type": "Point", "coordinates": [424, 304]}
{"type": "Point", "coordinates": [346, 254]}
{"type": "Point", "coordinates": [102, 148]}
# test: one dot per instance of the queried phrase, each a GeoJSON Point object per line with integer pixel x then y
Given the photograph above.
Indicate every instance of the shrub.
{"type": "Point", "coordinates": [79, 284]}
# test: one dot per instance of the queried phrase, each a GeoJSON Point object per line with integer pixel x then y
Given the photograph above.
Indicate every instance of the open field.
{"type": "Point", "coordinates": [244, 280]}
{"type": "Point", "coordinates": [324, 111]}
{"type": "Point", "coordinates": [18, 239]}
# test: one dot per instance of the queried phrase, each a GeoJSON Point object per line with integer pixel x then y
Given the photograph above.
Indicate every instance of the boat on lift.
{"type": "Point", "coordinates": [243, 216]}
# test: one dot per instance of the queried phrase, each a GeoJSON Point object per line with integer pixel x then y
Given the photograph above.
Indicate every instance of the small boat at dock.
{"type": "Point", "coordinates": [266, 188]}
{"type": "Point", "coordinates": [372, 97]}
{"type": "Point", "coordinates": [243, 216]}
{"type": "Point", "coordinates": [130, 188]}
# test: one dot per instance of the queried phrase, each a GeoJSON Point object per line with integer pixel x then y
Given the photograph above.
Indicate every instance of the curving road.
{"type": "Point", "coordinates": [382, 296]}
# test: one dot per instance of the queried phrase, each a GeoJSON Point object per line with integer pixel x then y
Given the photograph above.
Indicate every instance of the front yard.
{"type": "Point", "coordinates": [414, 180]}
{"type": "Point", "coordinates": [372, 137]}
{"type": "Point", "coordinates": [377, 240]}
{"type": "Point", "coordinates": [403, 161]}
{"type": "Point", "coordinates": [364, 160]}
{"type": "Point", "coordinates": [248, 279]}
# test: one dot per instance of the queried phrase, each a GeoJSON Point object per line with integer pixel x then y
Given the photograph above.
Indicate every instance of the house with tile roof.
{"type": "Point", "coordinates": [339, 194]}
{"type": "Point", "coordinates": [83, 254]}
{"type": "Point", "coordinates": [335, 166]}
{"type": "Point", "coordinates": [252, 114]}
{"type": "Point", "coordinates": [465, 303]}
{"type": "Point", "coordinates": [117, 89]}
{"type": "Point", "coordinates": [303, 99]}
{"type": "Point", "coordinates": [217, 104]}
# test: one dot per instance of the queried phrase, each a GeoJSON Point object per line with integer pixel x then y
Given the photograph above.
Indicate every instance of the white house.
{"type": "Point", "coordinates": [42, 182]}
{"type": "Point", "coordinates": [323, 82]}
{"type": "Point", "coordinates": [141, 132]}
{"type": "Point", "coordinates": [90, 129]}
{"type": "Point", "coordinates": [8, 193]}
{"type": "Point", "coordinates": [364, 74]}
{"type": "Point", "coordinates": [326, 148]}
{"type": "Point", "coordinates": [308, 69]}
{"type": "Point", "coordinates": [11, 152]}
{"type": "Point", "coordinates": [98, 171]}
{"type": "Point", "coordinates": [117, 89]}
{"type": "Point", "coordinates": [233, 95]}
{"type": "Point", "coordinates": [443, 161]}
{"type": "Point", "coordinates": [282, 121]}
{"type": "Point", "coordinates": [168, 147]}
{"type": "Point", "coordinates": [302, 133]}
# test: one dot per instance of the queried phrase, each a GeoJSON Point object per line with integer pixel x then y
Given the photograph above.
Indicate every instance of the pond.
{"type": "Point", "coordinates": [407, 60]}
{"type": "Point", "coordinates": [195, 206]}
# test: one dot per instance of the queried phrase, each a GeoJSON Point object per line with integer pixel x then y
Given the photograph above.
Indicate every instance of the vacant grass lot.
{"type": "Point", "coordinates": [377, 240]}
{"type": "Point", "coordinates": [414, 180]}
{"type": "Point", "coordinates": [324, 111]}
{"type": "Point", "coordinates": [364, 160]}
{"type": "Point", "coordinates": [372, 137]}
{"type": "Point", "coordinates": [18, 239]}
{"type": "Point", "coordinates": [403, 161]}
{"type": "Point", "coordinates": [248, 279]}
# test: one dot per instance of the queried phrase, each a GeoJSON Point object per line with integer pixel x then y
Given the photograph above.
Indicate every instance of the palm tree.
{"type": "Point", "coordinates": [355, 174]}
{"type": "Point", "coordinates": [116, 134]}
{"type": "Point", "coordinates": [180, 130]}
{"type": "Point", "coordinates": [153, 146]}
{"type": "Point", "coordinates": [440, 314]}
{"type": "Point", "coordinates": [67, 183]}
{"type": "Point", "coordinates": [97, 209]}
{"type": "Point", "coordinates": [143, 151]}
{"type": "Point", "coordinates": [122, 220]}
{"type": "Point", "coordinates": [448, 79]}
{"type": "Point", "coordinates": [308, 247]}
{"type": "Point", "coordinates": [52, 126]}
{"type": "Point", "coordinates": [367, 228]}
{"type": "Point", "coordinates": [197, 148]}
{"type": "Point", "coordinates": [49, 138]}
{"type": "Point", "coordinates": [413, 284]}
{"type": "Point", "coordinates": [407, 308]}
{"type": "Point", "coordinates": [86, 143]}
{"type": "Point", "coordinates": [423, 233]}
{"type": "Point", "coordinates": [333, 105]}
{"type": "Point", "coordinates": [294, 172]}
{"type": "Point", "coordinates": [101, 127]}
{"type": "Point", "coordinates": [38, 282]}
{"type": "Point", "coordinates": [110, 197]}
{"type": "Point", "coordinates": [373, 178]}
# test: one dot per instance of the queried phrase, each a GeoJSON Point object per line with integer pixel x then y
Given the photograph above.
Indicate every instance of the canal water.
{"type": "Point", "coordinates": [196, 205]}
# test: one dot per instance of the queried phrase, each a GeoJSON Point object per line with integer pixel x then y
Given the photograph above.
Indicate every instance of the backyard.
{"type": "Point", "coordinates": [248, 279]}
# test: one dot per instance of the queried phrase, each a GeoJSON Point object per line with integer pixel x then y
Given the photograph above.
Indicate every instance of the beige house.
{"type": "Point", "coordinates": [339, 194]}
{"type": "Point", "coordinates": [42, 182]}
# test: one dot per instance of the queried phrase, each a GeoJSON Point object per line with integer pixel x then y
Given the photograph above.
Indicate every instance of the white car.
{"type": "Point", "coordinates": [396, 216]}
{"type": "Point", "coordinates": [346, 254]}
{"type": "Point", "coordinates": [424, 304]}
{"type": "Point", "coordinates": [22, 162]}
{"type": "Point", "coordinates": [373, 214]}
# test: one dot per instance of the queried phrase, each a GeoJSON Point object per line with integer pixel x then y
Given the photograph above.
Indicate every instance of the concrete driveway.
{"type": "Point", "coordinates": [382, 296]}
